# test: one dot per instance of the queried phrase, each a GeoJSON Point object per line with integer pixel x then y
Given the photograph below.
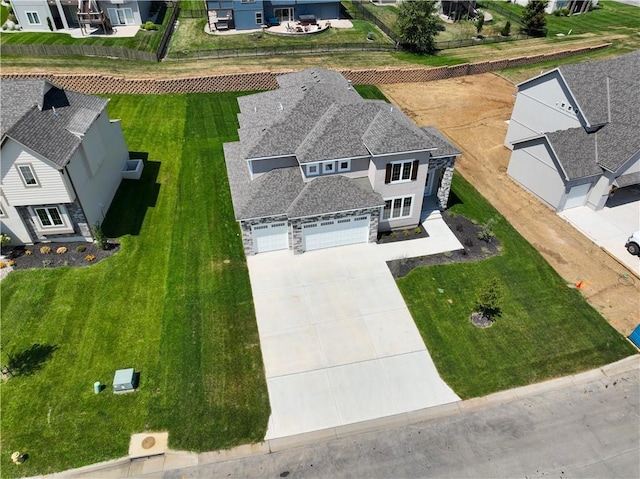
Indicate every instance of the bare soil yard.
{"type": "Point", "coordinates": [472, 112]}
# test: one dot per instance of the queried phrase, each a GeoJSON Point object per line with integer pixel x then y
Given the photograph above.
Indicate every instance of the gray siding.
{"type": "Point", "coordinates": [264, 166]}
{"type": "Point", "coordinates": [538, 109]}
{"type": "Point", "coordinates": [533, 167]}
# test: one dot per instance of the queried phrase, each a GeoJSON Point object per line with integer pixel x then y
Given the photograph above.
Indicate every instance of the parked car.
{"type": "Point", "coordinates": [633, 243]}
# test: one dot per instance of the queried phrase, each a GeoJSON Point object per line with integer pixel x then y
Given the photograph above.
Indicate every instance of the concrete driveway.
{"type": "Point", "coordinates": [338, 342]}
{"type": "Point", "coordinates": [612, 225]}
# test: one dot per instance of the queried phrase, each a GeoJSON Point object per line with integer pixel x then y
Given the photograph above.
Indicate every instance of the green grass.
{"type": "Point", "coordinates": [167, 304]}
{"type": "Point", "coordinates": [143, 41]}
{"type": "Point", "coordinates": [190, 37]}
{"type": "Point", "coordinates": [546, 329]}
{"type": "Point", "coordinates": [612, 16]}
{"type": "Point", "coordinates": [4, 13]}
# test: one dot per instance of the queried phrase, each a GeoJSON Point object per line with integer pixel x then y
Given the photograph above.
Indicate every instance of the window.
{"type": "Point", "coordinates": [247, 1]}
{"type": "Point", "coordinates": [259, 18]}
{"type": "Point", "coordinates": [401, 171]}
{"type": "Point", "coordinates": [33, 18]}
{"type": "Point", "coordinates": [328, 167]}
{"type": "Point", "coordinates": [121, 16]}
{"type": "Point", "coordinates": [49, 216]}
{"type": "Point", "coordinates": [396, 208]}
{"type": "Point", "coordinates": [344, 165]}
{"type": "Point", "coordinates": [28, 176]}
{"type": "Point", "coordinates": [312, 170]}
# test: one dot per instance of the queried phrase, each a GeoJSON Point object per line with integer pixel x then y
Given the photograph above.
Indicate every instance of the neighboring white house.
{"type": "Point", "coordinates": [574, 6]}
{"type": "Point", "coordinates": [54, 15]}
{"type": "Point", "coordinates": [575, 132]}
{"type": "Point", "coordinates": [318, 166]}
{"type": "Point", "coordinates": [61, 162]}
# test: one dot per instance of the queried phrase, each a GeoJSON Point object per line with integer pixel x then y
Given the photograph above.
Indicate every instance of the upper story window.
{"type": "Point", "coordinates": [27, 175]}
{"type": "Point", "coordinates": [328, 167]}
{"type": "Point", "coordinates": [33, 18]}
{"type": "Point", "coordinates": [344, 165]}
{"type": "Point", "coordinates": [400, 171]}
{"type": "Point", "coordinates": [313, 170]}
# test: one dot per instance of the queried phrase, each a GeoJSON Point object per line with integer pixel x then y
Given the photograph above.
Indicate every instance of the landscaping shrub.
{"type": "Point", "coordinates": [61, 250]}
{"type": "Point", "coordinates": [89, 257]}
{"type": "Point", "coordinates": [81, 248]}
{"type": "Point", "coordinates": [506, 30]}
{"type": "Point", "coordinates": [99, 237]}
{"type": "Point", "coordinates": [3, 265]}
{"type": "Point", "coordinates": [149, 26]}
{"type": "Point", "coordinates": [45, 250]}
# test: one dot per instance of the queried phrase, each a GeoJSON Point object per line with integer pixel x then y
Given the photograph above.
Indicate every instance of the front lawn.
{"type": "Point", "coordinates": [546, 330]}
{"type": "Point", "coordinates": [174, 303]}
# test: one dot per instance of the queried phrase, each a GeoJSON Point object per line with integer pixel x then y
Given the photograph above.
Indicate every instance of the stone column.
{"type": "Point", "coordinates": [445, 185]}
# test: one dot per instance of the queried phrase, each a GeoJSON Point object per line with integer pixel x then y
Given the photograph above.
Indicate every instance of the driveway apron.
{"type": "Point", "coordinates": [338, 342]}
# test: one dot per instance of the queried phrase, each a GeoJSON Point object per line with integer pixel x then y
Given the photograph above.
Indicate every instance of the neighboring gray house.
{"type": "Point", "coordinates": [575, 132]}
{"type": "Point", "coordinates": [61, 162]}
{"type": "Point", "coordinates": [53, 15]}
{"type": "Point", "coordinates": [318, 166]}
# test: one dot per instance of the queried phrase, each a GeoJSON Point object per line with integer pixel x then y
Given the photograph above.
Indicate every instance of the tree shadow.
{"type": "Point", "coordinates": [133, 198]}
{"type": "Point", "coordinates": [29, 361]}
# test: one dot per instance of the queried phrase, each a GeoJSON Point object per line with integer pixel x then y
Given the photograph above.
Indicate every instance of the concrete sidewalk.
{"type": "Point", "coordinates": [156, 467]}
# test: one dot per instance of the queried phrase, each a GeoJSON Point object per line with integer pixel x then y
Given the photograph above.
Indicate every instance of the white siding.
{"type": "Point", "coordinates": [52, 187]}
{"type": "Point", "coordinates": [97, 191]}
{"type": "Point", "coordinates": [533, 168]}
{"type": "Point", "coordinates": [11, 224]}
{"type": "Point", "coordinates": [539, 109]}
{"type": "Point", "coordinates": [39, 6]}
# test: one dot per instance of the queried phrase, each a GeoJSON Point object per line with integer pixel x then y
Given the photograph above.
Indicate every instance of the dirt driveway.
{"type": "Point", "coordinates": [472, 112]}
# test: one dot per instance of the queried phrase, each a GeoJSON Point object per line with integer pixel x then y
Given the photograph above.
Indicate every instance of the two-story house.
{"type": "Point", "coordinates": [575, 132]}
{"type": "Point", "coordinates": [318, 166]}
{"type": "Point", "coordinates": [54, 15]}
{"type": "Point", "coordinates": [62, 159]}
{"type": "Point", "coordinates": [252, 14]}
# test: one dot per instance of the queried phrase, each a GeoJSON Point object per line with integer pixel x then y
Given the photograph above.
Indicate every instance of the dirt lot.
{"type": "Point", "coordinates": [472, 111]}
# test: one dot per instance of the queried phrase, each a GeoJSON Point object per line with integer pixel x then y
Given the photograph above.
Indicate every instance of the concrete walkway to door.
{"type": "Point", "coordinates": [338, 342]}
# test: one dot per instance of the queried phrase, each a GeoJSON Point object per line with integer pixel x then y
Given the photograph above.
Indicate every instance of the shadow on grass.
{"type": "Point", "coordinates": [29, 361]}
{"type": "Point", "coordinates": [133, 198]}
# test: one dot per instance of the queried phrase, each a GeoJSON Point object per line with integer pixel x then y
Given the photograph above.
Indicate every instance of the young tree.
{"type": "Point", "coordinates": [479, 22]}
{"type": "Point", "coordinates": [506, 30]}
{"type": "Point", "coordinates": [534, 20]}
{"type": "Point", "coordinates": [418, 25]}
{"type": "Point", "coordinates": [489, 298]}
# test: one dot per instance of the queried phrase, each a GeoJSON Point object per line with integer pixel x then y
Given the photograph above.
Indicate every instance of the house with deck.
{"type": "Point", "coordinates": [318, 166]}
{"type": "Point", "coordinates": [54, 15]}
{"type": "Point", "coordinates": [253, 14]}
{"type": "Point", "coordinates": [575, 132]}
{"type": "Point", "coordinates": [62, 162]}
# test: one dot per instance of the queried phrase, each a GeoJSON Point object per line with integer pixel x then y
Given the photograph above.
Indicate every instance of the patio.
{"type": "Point", "coordinates": [285, 28]}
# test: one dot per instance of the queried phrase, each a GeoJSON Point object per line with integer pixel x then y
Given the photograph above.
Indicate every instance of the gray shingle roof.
{"type": "Point", "coordinates": [443, 145]}
{"type": "Point", "coordinates": [607, 94]}
{"type": "Point", "coordinates": [628, 180]}
{"type": "Point", "coordinates": [392, 132]}
{"type": "Point", "coordinates": [47, 119]}
{"type": "Point", "coordinates": [588, 83]}
{"type": "Point", "coordinates": [575, 149]}
{"type": "Point", "coordinates": [334, 193]}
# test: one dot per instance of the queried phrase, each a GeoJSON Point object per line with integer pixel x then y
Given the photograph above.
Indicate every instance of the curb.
{"type": "Point", "coordinates": [173, 460]}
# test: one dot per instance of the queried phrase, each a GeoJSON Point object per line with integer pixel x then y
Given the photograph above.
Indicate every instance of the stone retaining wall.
{"type": "Point", "coordinates": [102, 84]}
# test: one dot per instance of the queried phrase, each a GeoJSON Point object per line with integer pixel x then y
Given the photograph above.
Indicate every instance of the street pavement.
{"type": "Point", "coordinates": [586, 430]}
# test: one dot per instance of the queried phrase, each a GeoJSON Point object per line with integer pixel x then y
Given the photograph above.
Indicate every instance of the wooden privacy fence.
{"type": "Point", "coordinates": [102, 84]}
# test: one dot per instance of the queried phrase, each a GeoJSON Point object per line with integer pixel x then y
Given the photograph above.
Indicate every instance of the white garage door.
{"type": "Point", "coordinates": [338, 232]}
{"type": "Point", "coordinates": [270, 237]}
{"type": "Point", "coordinates": [577, 196]}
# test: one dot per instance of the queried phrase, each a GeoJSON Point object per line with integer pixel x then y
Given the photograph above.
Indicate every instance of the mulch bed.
{"type": "Point", "coordinates": [72, 257]}
{"type": "Point", "coordinates": [402, 235]}
{"type": "Point", "coordinates": [467, 233]}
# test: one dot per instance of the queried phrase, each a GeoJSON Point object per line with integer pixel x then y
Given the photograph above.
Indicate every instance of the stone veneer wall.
{"type": "Point", "coordinates": [445, 183]}
{"type": "Point", "coordinates": [247, 235]}
{"type": "Point", "coordinates": [76, 215]}
{"type": "Point", "coordinates": [102, 84]}
{"type": "Point", "coordinates": [296, 225]}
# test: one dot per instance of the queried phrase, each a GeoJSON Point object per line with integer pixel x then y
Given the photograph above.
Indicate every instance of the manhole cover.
{"type": "Point", "coordinates": [148, 442]}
